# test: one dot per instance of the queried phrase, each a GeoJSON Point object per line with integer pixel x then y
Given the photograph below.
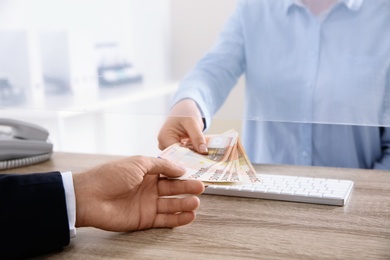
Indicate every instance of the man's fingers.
{"type": "Point", "coordinates": [175, 205]}
{"type": "Point", "coordinates": [156, 166]}
{"type": "Point", "coordinates": [173, 220]}
{"type": "Point", "coordinates": [178, 187]}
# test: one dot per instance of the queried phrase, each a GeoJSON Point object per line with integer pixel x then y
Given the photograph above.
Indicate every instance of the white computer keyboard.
{"type": "Point", "coordinates": [289, 188]}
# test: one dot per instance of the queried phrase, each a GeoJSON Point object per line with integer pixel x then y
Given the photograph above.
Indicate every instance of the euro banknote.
{"type": "Point", "coordinates": [226, 160]}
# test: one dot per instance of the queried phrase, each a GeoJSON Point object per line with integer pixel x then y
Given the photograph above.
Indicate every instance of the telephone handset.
{"type": "Point", "coordinates": [22, 144]}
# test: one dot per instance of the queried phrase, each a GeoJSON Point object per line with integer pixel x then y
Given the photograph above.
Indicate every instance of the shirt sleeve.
{"type": "Point", "coordinates": [70, 197]}
{"type": "Point", "coordinates": [215, 75]}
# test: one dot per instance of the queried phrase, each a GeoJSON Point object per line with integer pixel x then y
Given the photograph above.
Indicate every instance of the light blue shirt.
{"type": "Point", "coordinates": [317, 88]}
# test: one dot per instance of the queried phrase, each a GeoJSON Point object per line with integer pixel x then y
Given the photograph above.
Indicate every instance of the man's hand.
{"type": "Point", "coordinates": [184, 121]}
{"type": "Point", "coordinates": [128, 194]}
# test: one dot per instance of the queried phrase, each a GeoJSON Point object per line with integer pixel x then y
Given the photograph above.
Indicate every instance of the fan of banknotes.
{"type": "Point", "coordinates": [225, 162]}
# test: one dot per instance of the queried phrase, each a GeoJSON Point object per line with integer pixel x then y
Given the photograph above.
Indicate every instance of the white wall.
{"type": "Point", "coordinates": [195, 25]}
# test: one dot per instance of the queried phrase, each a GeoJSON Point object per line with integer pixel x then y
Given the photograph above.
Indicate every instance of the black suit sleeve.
{"type": "Point", "coordinates": [33, 214]}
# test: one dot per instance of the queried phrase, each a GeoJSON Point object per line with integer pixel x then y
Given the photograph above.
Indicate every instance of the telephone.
{"type": "Point", "coordinates": [22, 144]}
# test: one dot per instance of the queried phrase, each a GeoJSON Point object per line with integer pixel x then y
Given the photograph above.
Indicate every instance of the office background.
{"type": "Point", "coordinates": [50, 51]}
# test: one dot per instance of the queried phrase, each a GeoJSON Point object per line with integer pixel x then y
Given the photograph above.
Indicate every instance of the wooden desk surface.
{"type": "Point", "coordinates": [239, 228]}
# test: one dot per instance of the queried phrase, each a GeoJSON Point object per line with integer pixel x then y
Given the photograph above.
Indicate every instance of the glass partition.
{"type": "Point", "coordinates": [247, 64]}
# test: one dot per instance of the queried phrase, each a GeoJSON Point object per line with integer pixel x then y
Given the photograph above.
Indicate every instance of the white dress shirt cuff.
{"type": "Point", "coordinates": [67, 180]}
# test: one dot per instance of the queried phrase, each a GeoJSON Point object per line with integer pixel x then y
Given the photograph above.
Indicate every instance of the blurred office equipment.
{"type": "Point", "coordinates": [113, 66]}
{"type": "Point", "coordinates": [9, 94]}
{"type": "Point", "coordinates": [68, 62]}
{"type": "Point", "coordinates": [22, 144]}
{"type": "Point", "coordinates": [20, 74]}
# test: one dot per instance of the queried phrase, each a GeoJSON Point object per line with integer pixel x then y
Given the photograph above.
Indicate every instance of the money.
{"type": "Point", "coordinates": [226, 160]}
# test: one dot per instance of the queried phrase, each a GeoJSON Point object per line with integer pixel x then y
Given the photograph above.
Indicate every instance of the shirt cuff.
{"type": "Point", "coordinates": [67, 180]}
